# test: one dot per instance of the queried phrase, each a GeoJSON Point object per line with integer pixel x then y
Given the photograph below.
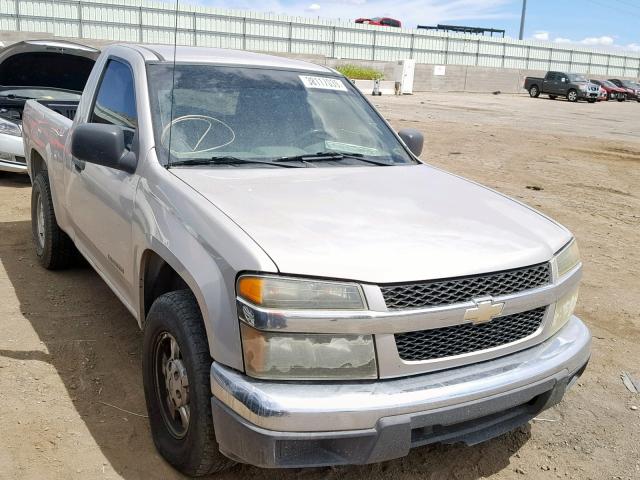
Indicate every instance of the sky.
{"type": "Point", "coordinates": [605, 23]}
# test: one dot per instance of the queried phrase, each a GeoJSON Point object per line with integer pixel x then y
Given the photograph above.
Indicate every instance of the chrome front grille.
{"type": "Point", "coordinates": [463, 289]}
{"type": "Point", "coordinates": [455, 340]}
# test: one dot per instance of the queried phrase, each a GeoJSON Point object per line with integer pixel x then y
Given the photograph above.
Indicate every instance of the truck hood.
{"type": "Point", "coordinates": [378, 224]}
{"type": "Point", "coordinates": [47, 63]}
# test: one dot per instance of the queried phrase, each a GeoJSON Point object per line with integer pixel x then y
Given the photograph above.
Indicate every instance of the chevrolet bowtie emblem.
{"type": "Point", "coordinates": [485, 310]}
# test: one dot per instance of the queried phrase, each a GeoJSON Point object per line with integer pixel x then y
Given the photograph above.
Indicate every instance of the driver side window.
{"type": "Point", "coordinates": [115, 102]}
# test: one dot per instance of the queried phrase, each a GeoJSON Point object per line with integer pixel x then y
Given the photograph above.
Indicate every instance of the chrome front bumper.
{"type": "Point", "coordinates": [273, 423]}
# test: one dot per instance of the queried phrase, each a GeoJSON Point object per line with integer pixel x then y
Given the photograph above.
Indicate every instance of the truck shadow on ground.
{"type": "Point", "coordinates": [95, 346]}
{"type": "Point", "coordinates": [15, 180]}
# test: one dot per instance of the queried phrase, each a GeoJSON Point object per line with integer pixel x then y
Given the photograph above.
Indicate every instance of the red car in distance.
{"type": "Point", "coordinates": [382, 21]}
{"type": "Point", "coordinates": [613, 91]}
{"type": "Point", "coordinates": [633, 93]}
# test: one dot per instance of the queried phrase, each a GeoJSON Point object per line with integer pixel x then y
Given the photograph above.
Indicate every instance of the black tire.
{"type": "Point", "coordinates": [622, 99]}
{"type": "Point", "coordinates": [54, 248]}
{"type": "Point", "coordinates": [592, 100]}
{"type": "Point", "coordinates": [553, 97]}
{"type": "Point", "coordinates": [193, 449]}
{"type": "Point", "coordinates": [534, 91]}
{"type": "Point", "coordinates": [572, 95]}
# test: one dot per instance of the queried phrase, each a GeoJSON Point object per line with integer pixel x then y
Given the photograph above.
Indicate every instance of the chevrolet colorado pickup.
{"type": "Point", "coordinates": [574, 86]}
{"type": "Point", "coordinates": [310, 292]}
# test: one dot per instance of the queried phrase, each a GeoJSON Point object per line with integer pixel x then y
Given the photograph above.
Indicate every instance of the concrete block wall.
{"type": "Point", "coordinates": [457, 78]}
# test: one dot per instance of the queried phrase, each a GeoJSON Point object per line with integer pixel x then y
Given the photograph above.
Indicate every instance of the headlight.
{"type": "Point", "coordinates": [567, 258]}
{"type": "Point", "coordinates": [583, 87]}
{"type": "Point", "coordinates": [301, 356]}
{"type": "Point", "coordinates": [564, 309]}
{"type": "Point", "coordinates": [10, 128]}
{"type": "Point", "coordinates": [298, 356]}
{"type": "Point", "coordinates": [297, 294]}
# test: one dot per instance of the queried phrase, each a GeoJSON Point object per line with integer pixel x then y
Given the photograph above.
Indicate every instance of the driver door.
{"type": "Point", "coordinates": [101, 199]}
{"type": "Point", "coordinates": [551, 85]}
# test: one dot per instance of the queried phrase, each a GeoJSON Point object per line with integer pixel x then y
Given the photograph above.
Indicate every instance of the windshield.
{"type": "Point", "coordinates": [40, 93]}
{"type": "Point", "coordinates": [607, 83]}
{"type": "Point", "coordinates": [258, 113]}
{"type": "Point", "coordinates": [575, 77]}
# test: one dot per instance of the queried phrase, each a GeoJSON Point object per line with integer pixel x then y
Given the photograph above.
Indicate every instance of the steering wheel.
{"type": "Point", "coordinates": [309, 135]}
{"type": "Point", "coordinates": [197, 134]}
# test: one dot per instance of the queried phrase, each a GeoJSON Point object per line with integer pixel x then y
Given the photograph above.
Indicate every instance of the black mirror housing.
{"type": "Point", "coordinates": [103, 144]}
{"type": "Point", "coordinates": [413, 139]}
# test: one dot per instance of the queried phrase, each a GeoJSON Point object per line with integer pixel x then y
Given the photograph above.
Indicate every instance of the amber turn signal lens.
{"type": "Point", "coordinates": [251, 288]}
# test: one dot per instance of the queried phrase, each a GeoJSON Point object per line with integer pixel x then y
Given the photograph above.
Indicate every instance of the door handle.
{"type": "Point", "coordinates": [78, 165]}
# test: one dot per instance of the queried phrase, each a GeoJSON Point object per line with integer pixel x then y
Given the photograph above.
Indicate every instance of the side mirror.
{"type": "Point", "coordinates": [413, 139]}
{"type": "Point", "coordinates": [103, 144]}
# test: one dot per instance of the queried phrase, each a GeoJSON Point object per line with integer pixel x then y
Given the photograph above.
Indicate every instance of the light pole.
{"type": "Point", "coordinates": [524, 12]}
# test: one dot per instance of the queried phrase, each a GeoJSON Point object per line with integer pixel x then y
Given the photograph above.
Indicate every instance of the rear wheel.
{"type": "Point", "coordinates": [534, 91]}
{"type": "Point", "coordinates": [54, 248]}
{"type": "Point", "coordinates": [572, 95]}
{"type": "Point", "coordinates": [176, 366]}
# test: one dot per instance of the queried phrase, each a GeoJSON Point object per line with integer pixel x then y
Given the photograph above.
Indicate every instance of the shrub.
{"type": "Point", "coordinates": [356, 72]}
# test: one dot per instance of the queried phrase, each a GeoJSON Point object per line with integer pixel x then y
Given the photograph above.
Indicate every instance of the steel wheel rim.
{"type": "Point", "coordinates": [534, 90]}
{"type": "Point", "coordinates": [172, 385]}
{"type": "Point", "coordinates": [572, 96]}
{"type": "Point", "coordinates": [40, 230]}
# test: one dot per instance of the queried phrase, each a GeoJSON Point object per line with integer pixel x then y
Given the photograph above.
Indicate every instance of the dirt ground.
{"type": "Point", "coordinates": [70, 352]}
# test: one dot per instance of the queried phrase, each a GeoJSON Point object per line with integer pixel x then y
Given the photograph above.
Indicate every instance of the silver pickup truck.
{"type": "Point", "coordinates": [310, 292]}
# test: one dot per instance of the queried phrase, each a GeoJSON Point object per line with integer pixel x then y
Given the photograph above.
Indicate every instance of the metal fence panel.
{"type": "Point", "coordinates": [154, 21]}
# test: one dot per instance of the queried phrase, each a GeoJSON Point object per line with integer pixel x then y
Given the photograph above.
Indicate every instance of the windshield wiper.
{"type": "Point", "coordinates": [12, 96]}
{"type": "Point", "coordinates": [330, 157]}
{"type": "Point", "coordinates": [225, 161]}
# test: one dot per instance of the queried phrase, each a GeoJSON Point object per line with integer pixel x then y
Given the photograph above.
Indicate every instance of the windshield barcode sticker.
{"type": "Point", "coordinates": [323, 83]}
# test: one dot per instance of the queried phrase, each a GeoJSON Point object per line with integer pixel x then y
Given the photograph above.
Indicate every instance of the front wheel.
{"type": "Point", "coordinates": [176, 366]}
{"type": "Point", "coordinates": [534, 91]}
{"type": "Point", "coordinates": [572, 96]}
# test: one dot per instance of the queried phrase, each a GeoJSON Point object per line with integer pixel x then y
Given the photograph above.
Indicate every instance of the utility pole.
{"type": "Point", "coordinates": [524, 12]}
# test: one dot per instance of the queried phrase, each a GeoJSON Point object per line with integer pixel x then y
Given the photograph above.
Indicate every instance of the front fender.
{"type": "Point", "coordinates": [204, 246]}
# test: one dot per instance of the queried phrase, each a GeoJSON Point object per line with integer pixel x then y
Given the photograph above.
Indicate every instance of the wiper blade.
{"type": "Point", "coordinates": [330, 157]}
{"type": "Point", "coordinates": [12, 96]}
{"type": "Point", "coordinates": [227, 160]}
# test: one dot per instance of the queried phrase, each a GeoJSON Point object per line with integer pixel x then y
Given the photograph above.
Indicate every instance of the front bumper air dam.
{"type": "Point", "coordinates": [282, 424]}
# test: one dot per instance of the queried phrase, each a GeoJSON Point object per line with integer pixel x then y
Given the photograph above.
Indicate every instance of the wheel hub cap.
{"type": "Point", "coordinates": [173, 385]}
{"type": "Point", "coordinates": [40, 222]}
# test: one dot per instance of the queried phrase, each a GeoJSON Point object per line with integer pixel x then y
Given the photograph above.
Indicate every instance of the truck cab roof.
{"type": "Point", "coordinates": [221, 56]}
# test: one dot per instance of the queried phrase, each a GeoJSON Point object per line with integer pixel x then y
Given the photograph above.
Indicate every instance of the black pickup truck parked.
{"type": "Point", "coordinates": [574, 86]}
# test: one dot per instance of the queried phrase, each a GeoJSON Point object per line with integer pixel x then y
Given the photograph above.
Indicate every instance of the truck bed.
{"type": "Point", "coordinates": [46, 124]}
{"type": "Point", "coordinates": [66, 108]}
